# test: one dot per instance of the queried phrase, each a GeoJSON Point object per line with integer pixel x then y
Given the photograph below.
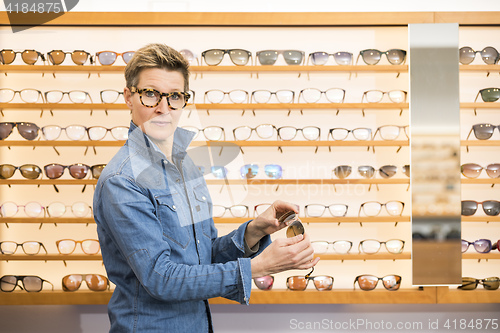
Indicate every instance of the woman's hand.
{"type": "Point", "coordinates": [284, 254]}
{"type": "Point", "coordinates": [267, 222]}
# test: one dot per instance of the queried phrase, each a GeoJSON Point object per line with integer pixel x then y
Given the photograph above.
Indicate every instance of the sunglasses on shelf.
{"type": "Point", "coordinates": [491, 283]}
{"type": "Point", "coordinates": [480, 245]}
{"type": "Point", "coordinates": [28, 171]}
{"type": "Point", "coordinates": [79, 57]}
{"type": "Point", "coordinates": [108, 58]}
{"type": "Point", "coordinates": [287, 133]}
{"type": "Point", "coordinates": [30, 57]}
{"type": "Point", "coordinates": [272, 171]}
{"type": "Point", "coordinates": [321, 58]}
{"type": "Point", "coordinates": [318, 210]}
{"type": "Point", "coordinates": [217, 96]}
{"type": "Point", "coordinates": [77, 132]}
{"type": "Point", "coordinates": [190, 57]}
{"type": "Point", "coordinates": [30, 283]}
{"type": "Point", "coordinates": [269, 57]}
{"type": "Point", "coordinates": [75, 96]}
{"type": "Point", "coordinates": [239, 57]}
{"type": "Point", "coordinates": [68, 246]}
{"type": "Point", "coordinates": [35, 209]}
{"type": "Point", "coordinates": [29, 247]}
{"type": "Point", "coordinates": [28, 131]}
{"type": "Point", "coordinates": [26, 95]}
{"type": "Point", "coordinates": [373, 208]}
{"type": "Point", "coordinates": [340, 246]}
{"type": "Point", "coordinates": [264, 282]}
{"type": "Point", "coordinates": [370, 282]}
{"type": "Point", "coordinates": [490, 207]}
{"type": "Point", "coordinates": [313, 95]}
{"type": "Point", "coordinates": [375, 96]}
{"type": "Point", "coordinates": [299, 283]}
{"type": "Point", "coordinates": [264, 96]}
{"type": "Point", "coordinates": [263, 131]}
{"type": "Point", "coordinates": [373, 56]}
{"type": "Point", "coordinates": [77, 170]}
{"type": "Point", "coordinates": [483, 131]}
{"type": "Point", "coordinates": [211, 133]}
{"type": "Point", "coordinates": [372, 246]}
{"type": "Point", "coordinates": [489, 95]}
{"type": "Point", "coordinates": [473, 170]}
{"type": "Point", "coordinates": [235, 210]}
{"type": "Point", "coordinates": [385, 171]}
{"type": "Point", "coordinates": [340, 134]}
{"type": "Point", "coordinates": [489, 55]}
{"type": "Point", "coordinates": [95, 282]}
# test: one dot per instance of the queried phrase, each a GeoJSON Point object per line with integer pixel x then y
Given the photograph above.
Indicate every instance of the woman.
{"type": "Point", "coordinates": [153, 214]}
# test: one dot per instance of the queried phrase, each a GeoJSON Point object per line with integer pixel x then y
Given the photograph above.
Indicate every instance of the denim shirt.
{"type": "Point", "coordinates": [159, 243]}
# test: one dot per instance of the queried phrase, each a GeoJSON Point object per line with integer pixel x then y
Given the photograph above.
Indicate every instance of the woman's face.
{"type": "Point", "coordinates": [159, 122]}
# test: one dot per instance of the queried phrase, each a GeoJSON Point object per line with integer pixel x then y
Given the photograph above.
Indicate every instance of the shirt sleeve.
{"type": "Point", "coordinates": [124, 211]}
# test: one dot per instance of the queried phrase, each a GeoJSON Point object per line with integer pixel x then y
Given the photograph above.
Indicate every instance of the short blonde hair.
{"type": "Point", "coordinates": [156, 55]}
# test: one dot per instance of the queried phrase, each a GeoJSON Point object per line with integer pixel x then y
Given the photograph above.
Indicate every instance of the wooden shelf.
{"type": "Point", "coordinates": [48, 181]}
{"type": "Point", "coordinates": [64, 106]}
{"type": "Point", "coordinates": [229, 220]}
{"type": "Point", "coordinates": [208, 69]}
{"type": "Point", "coordinates": [299, 106]}
{"type": "Point", "coordinates": [276, 296]}
{"type": "Point", "coordinates": [479, 68]}
{"type": "Point", "coordinates": [255, 19]}
{"type": "Point", "coordinates": [489, 181]}
{"type": "Point", "coordinates": [61, 143]}
{"type": "Point", "coordinates": [494, 254]}
{"type": "Point", "coordinates": [51, 257]}
{"type": "Point", "coordinates": [451, 295]}
{"type": "Point", "coordinates": [480, 143]}
{"type": "Point", "coordinates": [481, 218]}
{"type": "Point", "coordinates": [248, 143]}
{"type": "Point", "coordinates": [428, 295]}
{"type": "Point", "coordinates": [339, 296]}
{"type": "Point", "coordinates": [306, 181]}
{"type": "Point", "coordinates": [204, 106]}
{"type": "Point", "coordinates": [480, 105]}
{"type": "Point", "coordinates": [364, 256]}
{"type": "Point", "coordinates": [219, 181]}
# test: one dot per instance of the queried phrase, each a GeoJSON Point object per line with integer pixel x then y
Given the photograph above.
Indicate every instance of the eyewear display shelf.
{"type": "Point", "coordinates": [426, 295]}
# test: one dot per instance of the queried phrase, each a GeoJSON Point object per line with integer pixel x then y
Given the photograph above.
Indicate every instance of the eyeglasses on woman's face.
{"type": "Point", "coordinates": [151, 98]}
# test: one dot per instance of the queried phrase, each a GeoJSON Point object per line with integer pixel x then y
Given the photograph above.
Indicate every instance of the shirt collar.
{"type": "Point", "coordinates": [140, 141]}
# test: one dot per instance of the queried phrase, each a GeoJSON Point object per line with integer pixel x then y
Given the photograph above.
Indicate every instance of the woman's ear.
{"type": "Point", "coordinates": [127, 95]}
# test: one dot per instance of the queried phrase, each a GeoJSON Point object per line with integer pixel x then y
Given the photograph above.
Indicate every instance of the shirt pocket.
{"type": "Point", "coordinates": [170, 214]}
{"type": "Point", "coordinates": [202, 208]}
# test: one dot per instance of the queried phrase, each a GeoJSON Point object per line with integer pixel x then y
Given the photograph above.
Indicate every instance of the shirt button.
{"type": "Point", "coordinates": [198, 241]}
{"type": "Point", "coordinates": [177, 180]}
{"type": "Point", "coordinates": [203, 198]}
{"type": "Point", "coordinates": [173, 207]}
